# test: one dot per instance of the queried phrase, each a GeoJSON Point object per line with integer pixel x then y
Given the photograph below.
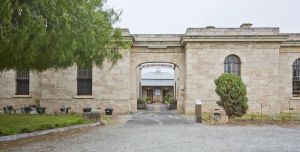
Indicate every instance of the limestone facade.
{"type": "Point", "coordinates": [266, 58]}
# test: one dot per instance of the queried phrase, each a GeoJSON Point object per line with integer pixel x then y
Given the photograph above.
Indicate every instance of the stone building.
{"type": "Point", "coordinates": [267, 61]}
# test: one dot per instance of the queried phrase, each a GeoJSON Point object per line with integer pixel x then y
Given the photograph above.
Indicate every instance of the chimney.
{"type": "Point", "coordinates": [246, 25]}
{"type": "Point", "coordinates": [210, 27]}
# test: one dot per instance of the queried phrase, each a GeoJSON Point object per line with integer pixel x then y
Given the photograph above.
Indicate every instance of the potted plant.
{"type": "Point", "coordinates": [148, 100]}
{"type": "Point", "coordinates": [65, 109]}
{"type": "Point", "coordinates": [8, 109]}
{"type": "Point", "coordinates": [141, 103]}
{"type": "Point", "coordinates": [109, 111]}
{"type": "Point", "coordinates": [39, 109]}
{"type": "Point", "coordinates": [172, 103]}
{"type": "Point", "coordinates": [87, 109]}
{"type": "Point", "coordinates": [25, 109]}
{"type": "Point", "coordinates": [167, 97]}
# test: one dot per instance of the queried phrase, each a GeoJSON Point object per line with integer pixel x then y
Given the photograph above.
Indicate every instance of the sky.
{"type": "Point", "coordinates": [175, 16]}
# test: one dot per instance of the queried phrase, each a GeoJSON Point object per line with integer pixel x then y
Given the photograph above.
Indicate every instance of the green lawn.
{"type": "Point", "coordinates": [18, 123]}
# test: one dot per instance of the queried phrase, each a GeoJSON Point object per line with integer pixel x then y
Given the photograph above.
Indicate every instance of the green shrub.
{"type": "Point", "coordinates": [140, 101]}
{"type": "Point", "coordinates": [172, 101]}
{"type": "Point", "coordinates": [232, 92]}
{"type": "Point", "coordinates": [167, 97]}
{"type": "Point", "coordinates": [148, 99]}
{"type": "Point", "coordinates": [252, 117]}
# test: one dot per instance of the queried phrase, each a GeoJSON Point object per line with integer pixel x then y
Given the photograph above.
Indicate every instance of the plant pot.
{"type": "Point", "coordinates": [8, 109]}
{"type": "Point", "coordinates": [141, 106]}
{"type": "Point", "coordinates": [25, 110]}
{"type": "Point", "coordinates": [109, 111]}
{"type": "Point", "coordinates": [41, 110]}
{"type": "Point", "coordinates": [65, 110]}
{"type": "Point", "coordinates": [172, 106]}
{"type": "Point", "coordinates": [87, 109]}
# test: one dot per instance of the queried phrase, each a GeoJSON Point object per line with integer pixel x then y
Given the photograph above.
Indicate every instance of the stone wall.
{"type": "Point", "coordinates": [259, 71]}
{"type": "Point", "coordinates": [58, 88]}
{"type": "Point", "coordinates": [285, 94]}
{"type": "Point", "coordinates": [109, 85]}
{"type": "Point", "coordinates": [8, 90]}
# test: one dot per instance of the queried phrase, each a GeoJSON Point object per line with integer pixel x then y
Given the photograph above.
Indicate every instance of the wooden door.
{"type": "Point", "coordinates": [150, 94]}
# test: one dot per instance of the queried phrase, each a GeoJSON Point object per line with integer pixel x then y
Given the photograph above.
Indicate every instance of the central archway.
{"type": "Point", "coordinates": [174, 58]}
{"type": "Point", "coordinates": [156, 80]}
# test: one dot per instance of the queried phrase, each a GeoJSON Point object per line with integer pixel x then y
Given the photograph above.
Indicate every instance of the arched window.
{"type": "Point", "coordinates": [232, 65]}
{"type": "Point", "coordinates": [296, 78]}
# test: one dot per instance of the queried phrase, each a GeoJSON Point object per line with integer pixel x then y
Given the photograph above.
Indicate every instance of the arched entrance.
{"type": "Point", "coordinates": [158, 80]}
{"type": "Point", "coordinates": [142, 57]}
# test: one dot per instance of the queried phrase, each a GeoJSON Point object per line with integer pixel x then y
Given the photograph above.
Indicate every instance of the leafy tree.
{"type": "Point", "coordinates": [232, 92]}
{"type": "Point", "coordinates": [45, 34]}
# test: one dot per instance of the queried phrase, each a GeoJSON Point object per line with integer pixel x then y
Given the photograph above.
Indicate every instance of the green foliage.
{"type": "Point", "coordinates": [167, 97]}
{"type": "Point", "coordinates": [148, 99]}
{"type": "Point", "coordinates": [140, 101]}
{"type": "Point", "coordinates": [172, 101]}
{"type": "Point", "coordinates": [232, 92]}
{"type": "Point", "coordinates": [17, 123]}
{"type": "Point", "coordinates": [45, 34]}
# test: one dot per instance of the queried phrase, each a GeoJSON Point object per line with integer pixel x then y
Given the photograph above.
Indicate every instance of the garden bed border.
{"type": "Point", "coordinates": [44, 132]}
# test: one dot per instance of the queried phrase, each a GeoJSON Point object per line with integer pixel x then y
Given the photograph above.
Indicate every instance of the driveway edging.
{"type": "Point", "coordinates": [44, 132]}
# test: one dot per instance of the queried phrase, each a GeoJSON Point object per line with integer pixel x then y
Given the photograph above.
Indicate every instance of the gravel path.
{"type": "Point", "coordinates": [166, 131]}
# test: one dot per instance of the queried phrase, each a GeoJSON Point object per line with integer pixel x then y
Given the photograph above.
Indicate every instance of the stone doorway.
{"type": "Point", "coordinates": [150, 94]}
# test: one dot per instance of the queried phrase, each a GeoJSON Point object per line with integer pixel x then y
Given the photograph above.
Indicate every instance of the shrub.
{"type": "Point", "coordinates": [232, 92]}
{"type": "Point", "coordinates": [148, 99]}
{"type": "Point", "coordinates": [167, 97]}
{"type": "Point", "coordinates": [140, 100]}
{"type": "Point", "coordinates": [172, 100]}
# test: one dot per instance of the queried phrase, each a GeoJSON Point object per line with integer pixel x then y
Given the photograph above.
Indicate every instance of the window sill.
{"type": "Point", "coordinates": [22, 96]}
{"type": "Point", "coordinates": [295, 98]}
{"type": "Point", "coordinates": [83, 97]}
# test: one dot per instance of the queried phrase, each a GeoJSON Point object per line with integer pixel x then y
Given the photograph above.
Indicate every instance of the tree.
{"type": "Point", "coordinates": [232, 92]}
{"type": "Point", "coordinates": [45, 34]}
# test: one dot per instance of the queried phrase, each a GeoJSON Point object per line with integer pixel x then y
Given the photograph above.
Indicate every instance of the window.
{"type": "Point", "coordinates": [296, 78]}
{"type": "Point", "coordinates": [232, 65]}
{"type": "Point", "coordinates": [22, 82]}
{"type": "Point", "coordinates": [84, 81]}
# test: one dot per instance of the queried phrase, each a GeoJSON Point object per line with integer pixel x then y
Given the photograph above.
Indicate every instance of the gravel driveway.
{"type": "Point", "coordinates": [166, 131]}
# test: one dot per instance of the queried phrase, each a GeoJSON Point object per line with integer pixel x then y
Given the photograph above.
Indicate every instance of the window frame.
{"type": "Point", "coordinates": [84, 81]}
{"type": "Point", "coordinates": [232, 66]}
{"type": "Point", "coordinates": [296, 78]}
{"type": "Point", "coordinates": [22, 82]}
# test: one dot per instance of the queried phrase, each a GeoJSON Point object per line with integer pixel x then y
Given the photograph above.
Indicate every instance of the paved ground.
{"type": "Point", "coordinates": [158, 130]}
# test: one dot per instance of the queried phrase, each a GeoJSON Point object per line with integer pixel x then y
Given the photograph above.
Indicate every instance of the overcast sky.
{"type": "Point", "coordinates": [174, 16]}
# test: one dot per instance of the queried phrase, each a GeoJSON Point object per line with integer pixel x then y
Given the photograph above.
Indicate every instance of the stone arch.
{"type": "Point", "coordinates": [138, 58]}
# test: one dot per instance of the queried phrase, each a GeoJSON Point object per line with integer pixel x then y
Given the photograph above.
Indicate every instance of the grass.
{"type": "Point", "coordinates": [281, 116]}
{"type": "Point", "coordinates": [20, 123]}
{"type": "Point", "coordinates": [280, 119]}
{"type": "Point", "coordinates": [106, 118]}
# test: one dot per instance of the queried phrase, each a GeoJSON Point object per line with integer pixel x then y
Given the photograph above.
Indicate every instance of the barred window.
{"type": "Point", "coordinates": [84, 81]}
{"type": "Point", "coordinates": [22, 80]}
{"type": "Point", "coordinates": [296, 78]}
{"type": "Point", "coordinates": [232, 65]}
